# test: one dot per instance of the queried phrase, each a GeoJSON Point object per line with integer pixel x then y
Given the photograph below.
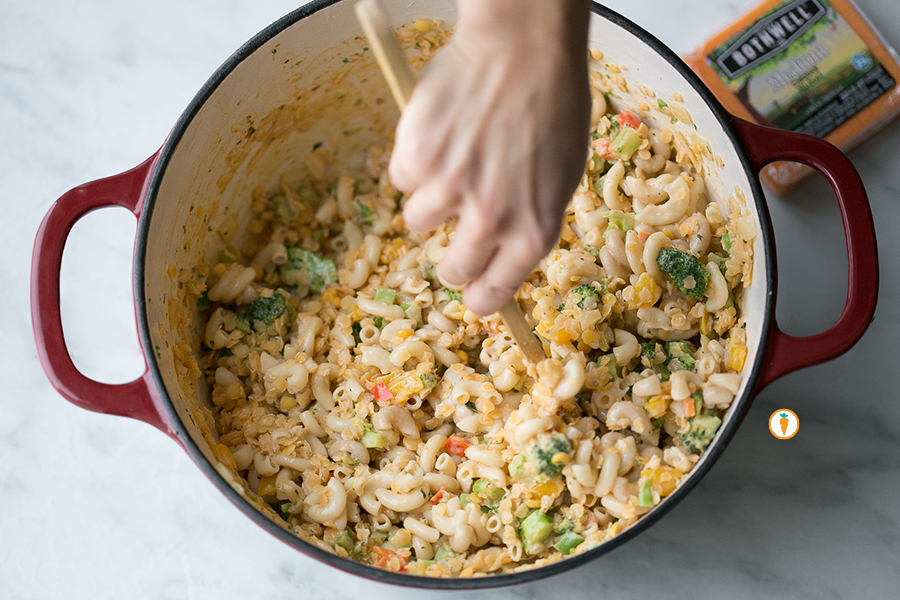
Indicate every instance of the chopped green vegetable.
{"type": "Point", "coordinates": [305, 267]}
{"type": "Point", "coordinates": [626, 143]}
{"type": "Point", "coordinates": [356, 328]}
{"type": "Point", "coordinates": [657, 422]}
{"type": "Point", "coordinates": [454, 295]}
{"type": "Point", "coordinates": [443, 552]}
{"type": "Point", "coordinates": [488, 490]}
{"type": "Point", "coordinates": [585, 297]}
{"type": "Point", "coordinates": [568, 542]}
{"type": "Point", "coordinates": [562, 524]}
{"type": "Point", "coordinates": [685, 269]}
{"type": "Point", "coordinates": [366, 216]}
{"type": "Point", "coordinates": [726, 242]}
{"type": "Point", "coordinates": [428, 380]}
{"type": "Point", "coordinates": [385, 295]}
{"type": "Point", "coordinates": [608, 361]}
{"type": "Point", "coordinates": [662, 103]}
{"type": "Point", "coordinates": [679, 357]}
{"type": "Point", "coordinates": [645, 495]}
{"type": "Point", "coordinates": [266, 310]}
{"type": "Point", "coordinates": [535, 528]}
{"type": "Point", "coordinates": [405, 307]}
{"type": "Point", "coordinates": [242, 325]}
{"type": "Point", "coordinates": [284, 208]}
{"type": "Point", "coordinates": [345, 541]}
{"type": "Point", "coordinates": [471, 406]}
{"type": "Point", "coordinates": [703, 430]}
{"type": "Point", "coordinates": [378, 321]}
{"type": "Point", "coordinates": [546, 457]}
{"type": "Point", "coordinates": [203, 301]}
{"type": "Point", "coordinates": [427, 272]}
{"type": "Point", "coordinates": [464, 499]}
{"type": "Point", "coordinates": [619, 220]}
{"type": "Point", "coordinates": [517, 466]}
{"type": "Point", "coordinates": [372, 439]}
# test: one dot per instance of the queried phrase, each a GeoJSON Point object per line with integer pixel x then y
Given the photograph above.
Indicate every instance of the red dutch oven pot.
{"type": "Point", "coordinates": [198, 181]}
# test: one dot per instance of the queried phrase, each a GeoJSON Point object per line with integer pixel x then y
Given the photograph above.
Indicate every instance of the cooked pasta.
{"type": "Point", "coordinates": [360, 402]}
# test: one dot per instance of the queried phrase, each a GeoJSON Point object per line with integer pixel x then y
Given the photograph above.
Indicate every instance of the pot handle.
{"type": "Point", "coordinates": [787, 353]}
{"type": "Point", "coordinates": [133, 399]}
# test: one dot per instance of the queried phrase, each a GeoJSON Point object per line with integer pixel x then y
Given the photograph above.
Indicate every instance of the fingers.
{"type": "Point", "coordinates": [510, 265]}
{"type": "Point", "coordinates": [471, 248]}
{"type": "Point", "coordinates": [430, 206]}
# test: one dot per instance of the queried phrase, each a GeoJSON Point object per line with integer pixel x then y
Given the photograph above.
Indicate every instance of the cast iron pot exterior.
{"type": "Point", "coordinates": [150, 398]}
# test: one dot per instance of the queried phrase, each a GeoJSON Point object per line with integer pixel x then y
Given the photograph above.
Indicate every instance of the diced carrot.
{"type": "Point", "coordinates": [438, 496]}
{"type": "Point", "coordinates": [690, 408]}
{"type": "Point", "coordinates": [456, 445]}
{"type": "Point", "coordinates": [381, 392]}
{"type": "Point", "coordinates": [601, 147]}
{"type": "Point", "coordinates": [629, 119]}
{"type": "Point", "coordinates": [643, 237]}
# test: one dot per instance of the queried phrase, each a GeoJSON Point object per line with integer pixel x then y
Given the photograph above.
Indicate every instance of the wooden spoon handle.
{"type": "Point", "coordinates": [401, 79]}
{"type": "Point", "coordinates": [396, 69]}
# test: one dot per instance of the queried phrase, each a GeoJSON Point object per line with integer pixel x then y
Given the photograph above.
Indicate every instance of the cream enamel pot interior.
{"type": "Point", "coordinates": [253, 123]}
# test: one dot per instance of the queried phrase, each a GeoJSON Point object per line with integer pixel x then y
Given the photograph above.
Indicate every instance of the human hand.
{"type": "Point", "coordinates": [495, 134]}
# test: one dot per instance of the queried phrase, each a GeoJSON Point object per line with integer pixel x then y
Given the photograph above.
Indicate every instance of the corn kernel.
{"type": "Point", "coordinates": [560, 458]}
{"type": "Point", "coordinates": [737, 355]}
{"type": "Point", "coordinates": [665, 480]}
{"type": "Point", "coordinates": [405, 333]}
{"type": "Point", "coordinates": [657, 406]}
{"type": "Point", "coordinates": [288, 402]}
{"type": "Point", "coordinates": [646, 292]}
{"type": "Point", "coordinates": [266, 485]}
{"type": "Point", "coordinates": [224, 456]}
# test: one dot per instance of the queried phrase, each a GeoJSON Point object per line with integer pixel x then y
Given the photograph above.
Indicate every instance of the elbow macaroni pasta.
{"type": "Point", "coordinates": [376, 416]}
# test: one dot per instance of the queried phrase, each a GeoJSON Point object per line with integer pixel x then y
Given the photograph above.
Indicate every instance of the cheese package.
{"type": "Point", "coordinates": [813, 66]}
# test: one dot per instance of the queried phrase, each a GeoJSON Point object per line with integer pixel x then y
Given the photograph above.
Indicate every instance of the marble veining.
{"type": "Point", "coordinates": [93, 506]}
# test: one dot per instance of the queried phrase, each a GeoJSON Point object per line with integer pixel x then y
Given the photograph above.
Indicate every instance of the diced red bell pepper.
{"type": "Point", "coordinates": [601, 147]}
{"type": "Point", "coordinates": [384, 557]}
{"type": "Point", "coordinates": [456, 445]}
{"type": "Point", "coordinates": [643, 236]}
{"type": "Point", "coordinates": [381, 392]}
{"type": "Point", "coordinates": [629, 119]}
{"type": "Point", "coordinates": [438, 496]}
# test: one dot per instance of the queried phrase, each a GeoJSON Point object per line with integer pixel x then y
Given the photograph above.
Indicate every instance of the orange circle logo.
{"type": "Point", "coordinates": [784, 424]}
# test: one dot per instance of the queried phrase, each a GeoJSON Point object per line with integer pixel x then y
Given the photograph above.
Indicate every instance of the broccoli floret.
{"type": "Point", "coordinates": [703, 430]}
{"type": "Point", "coordinates": [546, 458]}
{"type": "Point", "coordinates": [428, 380]}
{"type": "Point", "coordinates": [679, 357]}
{"type": "Point", "coordinates": [266, 310]}
{"type": "Point", "coordinates": [585, 296]}
{"type": "Point", "coordinates": [454, 295]}
{"type": "Point", "coordinates": [366, 216]}
{"type": "Point", "coordinates": [685, 269]}
{"type": "Point", "coordinates": [284, 208]}
{"type": "Point", "coordinates": [650, 353]}
{"type": "Point", "coordinates": [562, 524]}
{"type": "Point", "coordinates": [304, 267]}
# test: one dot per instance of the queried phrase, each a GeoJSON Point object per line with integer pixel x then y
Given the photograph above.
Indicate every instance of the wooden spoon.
{"type": "Point", "coordinates": [401, 79]}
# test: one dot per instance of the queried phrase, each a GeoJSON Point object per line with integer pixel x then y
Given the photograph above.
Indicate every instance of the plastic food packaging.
{"type": "Point", "coordinates": [813, 66]}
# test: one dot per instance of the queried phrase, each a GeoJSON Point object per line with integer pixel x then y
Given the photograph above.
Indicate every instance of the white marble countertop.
{"type": "Point", "coordinates": [93, 506]}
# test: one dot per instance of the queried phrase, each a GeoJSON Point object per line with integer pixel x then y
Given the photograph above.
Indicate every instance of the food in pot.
{"type": "Point", "coordinates": [357, 400]}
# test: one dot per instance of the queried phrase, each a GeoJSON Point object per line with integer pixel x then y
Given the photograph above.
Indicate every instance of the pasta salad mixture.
{"type": "Point", "coordinates": [359, 401]}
